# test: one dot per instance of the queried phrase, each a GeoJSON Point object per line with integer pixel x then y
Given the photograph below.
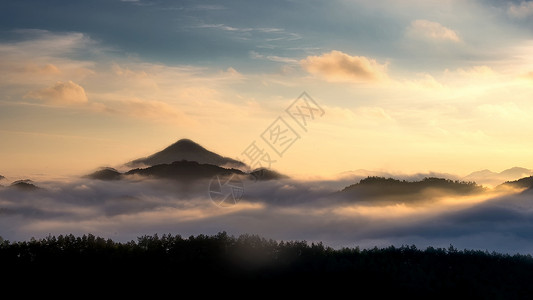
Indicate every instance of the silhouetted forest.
{"type": "Point", "coordinates": [526, 183]}
{"type": "Point", "coordinates": [374, 187]}
{"type": "Point", "coordinates": [250, 260]}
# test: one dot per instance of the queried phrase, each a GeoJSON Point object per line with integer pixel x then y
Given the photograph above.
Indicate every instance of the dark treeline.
{"type": "Point", "coordinates": [373, 186]}
{"type": "Point", "coordinates": [250, 260]}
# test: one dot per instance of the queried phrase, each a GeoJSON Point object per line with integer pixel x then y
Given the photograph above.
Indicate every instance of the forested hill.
{"type": "Point", "coordinates": [380, 186]}
{"type": "Point", "coordinates": [222, 261]}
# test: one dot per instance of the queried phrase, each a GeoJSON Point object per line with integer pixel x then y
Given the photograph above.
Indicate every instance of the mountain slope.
{"type": "Point", "coordinates": [185, 149]}
{"type": "Point", "coordinates": [184, 170]}
{"type": "Point", "coordinates": [266, 174]}
{"type": "Point", "coordinates": [24, 185]}
{"type": "Point", "coordinates": [105, 174]}
{"type": "Point", "coordinates": [522, 183]}
{"type": "Point", "coordinates": [380, 188]}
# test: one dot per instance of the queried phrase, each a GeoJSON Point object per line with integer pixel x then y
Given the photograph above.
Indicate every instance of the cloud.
{"type": "Point", "coordinates": [425, 81]}
{"type": "Point", "coordinates": [41, 57]}
{"type": "Point", "coordinates": [283, 210]}
{"type": "Point", "coordinates": [272, 34]}
{"type": "Point", "coordinates": [476, 71]}
{"type": "Point", "coordinates": [428, 30]}
{"type": "Point", "coordinates": [273, 58]}
{"type": "Point", "coordinates": [524, 10]}
{"type": "Point", "coordinates": [337, 66]}
{"type": "Point", "coordinates": [224, 27]}
{"type": "Point", "coordinates": [61, 93]}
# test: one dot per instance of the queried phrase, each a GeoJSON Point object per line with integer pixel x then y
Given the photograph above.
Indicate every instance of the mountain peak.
{"type": "Point", "coordinates": [105, 173]}
{"type": "Point", "coordinates": [26, 185]}
{"type": "Point", "coordinates": [185, 145]}
{"type": "Point", "coordinates": [186, 149]}
{"type": "Point", "coordinates": [516, 171]}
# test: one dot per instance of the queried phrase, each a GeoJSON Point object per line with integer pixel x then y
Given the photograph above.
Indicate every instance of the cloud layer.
{"type": "Point", "coordinates": [283, 210]}
{"type": "Point", "coordinates": [341, 67]}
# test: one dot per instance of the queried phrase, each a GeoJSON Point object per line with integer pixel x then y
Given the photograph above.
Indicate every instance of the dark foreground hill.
{"type": "Point", "coordinates": [225, 263]}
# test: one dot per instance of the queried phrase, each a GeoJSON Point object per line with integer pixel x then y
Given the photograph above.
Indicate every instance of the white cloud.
{"type": "Point", "coordinates": [61, 93]}
{"type": "Point", "coordinates": [424, 29]}
{"type": "Point", "coordinates": [524, 10]}
{"type": "Point", "coordinates": [337, 66]}
{"type": "Point", "coordinates": [282, 210]}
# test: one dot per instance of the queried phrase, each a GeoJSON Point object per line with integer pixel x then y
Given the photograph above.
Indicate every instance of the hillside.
{"type": "Point", "coordinates": [381, 187]}
{"type": "Point", "coordinates": [184, 170]}
{"type": "Point", "coordinates": [185, 149]}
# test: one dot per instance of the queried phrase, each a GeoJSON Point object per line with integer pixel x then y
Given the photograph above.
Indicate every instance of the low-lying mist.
{"type": "Point", "coordinates": [286, 209]}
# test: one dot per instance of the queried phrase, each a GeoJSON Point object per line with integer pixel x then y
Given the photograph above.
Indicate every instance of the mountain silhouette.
{"type": "Point", "coordinates": [522, 183]}
{"type": "Point", "coordinates": [2, 177]}
{"type": "Point", "coordinates": [372, 188]}
{"type": "Point", "coordinates": [266, 174]}
{"type": "Point", "coordinates": [184, 170]}
{"type": "Point", "coordinates": [488, 177]}
{"type": "Point", "coordinates": [186, 149]}
{"type": "Point", "coordinates": [24, 185]}
{"type": "Point", "coordinates": [105, 173]}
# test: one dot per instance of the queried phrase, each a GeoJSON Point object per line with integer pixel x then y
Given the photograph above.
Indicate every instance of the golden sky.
{"type": "Point", "coordinates": [410, 86]}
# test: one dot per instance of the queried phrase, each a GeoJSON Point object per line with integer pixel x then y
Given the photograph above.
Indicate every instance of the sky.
{"type": "Point", "coordinates": [403, 86]}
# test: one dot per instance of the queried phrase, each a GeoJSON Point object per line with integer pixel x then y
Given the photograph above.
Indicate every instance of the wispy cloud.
{"type": "Point", "coordinates": [433, 31]}
{"type": "Point", "coordinates": [274, 58]}
{"type": "Point", "coordinates": [522, 10]}
{"type": "Point", "coordinates": [266, 34]}
{"type": "Point", "coordinates": [61, 93]}
{"type": "Point", "coordinates": [224, 27]}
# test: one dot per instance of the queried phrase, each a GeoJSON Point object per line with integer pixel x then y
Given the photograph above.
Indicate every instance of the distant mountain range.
{"type": "Point", "coordinates": [186, 149]}
{"type": "Point", "coordinates": [483, 177]}
{"type": "Point", "coordinates": [487, 177]}
{"type": "Point", "coordinates": [186, 160]}
{"type": "Point", "coordinates": [362, 173]}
